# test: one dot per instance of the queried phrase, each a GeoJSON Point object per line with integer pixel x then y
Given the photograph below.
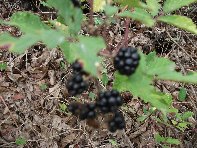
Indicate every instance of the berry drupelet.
{"type": "Point", "coordinates": [117, 122]}
{"type": "Point", "coordinates": [76, 85]}
{"type": "Point", "coordinates": [77, 67]}
{"type": "Point", "coordinates": [109, 101]}
{"type": "Point", "coordinates": [87, 111]}
{"type": "Point", "coordinates": [126, 60]}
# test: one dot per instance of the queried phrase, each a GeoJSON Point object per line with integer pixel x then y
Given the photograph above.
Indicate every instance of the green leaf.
{"type": "Point", "coordinates": [182, 94]}
{"type": "Point", "coordinates": [20, 141]}
{"type": "Point", "coordinates": [153, 6]}
{"type": "Point", "coordinates": [141, 118]}
{"type": "Point", "coordinates": [130, 3]}
{"type": "Point", "coordinates": [71, 16]}
{"type": "Point", "coordinates": [98, 21]}
{"type": "Point", "coordinates": [170, 140]}
{"type": "Point", "coordinates": [3, 66]}
{"type": "Point", "coordinates": [159, 138]}
{"type": "Point", "coordinates": [164, 69]}
{"type": "Point", "coordinates": [110, 10]}
{"type": "Point", "coordinates": [63, 107]}
{"type": "Point", "coordinates": [171, 5]}
{"type": "Point", "coordinates": [140, 15]}
{"type": "Point", "coordinates": [182, 22]}
{"type": "Point", "coordinates": [98, 5]}
{"type": "Point", "coordinates": [105, 79]}
{"type": "Point", "coordinates": [113, 142]}
{"type": "Point", "coordinates": [45, 4]}
{"type": "Point", "coordinates": [92, 95]}
{"type": "Point", "coordinates": [17, 45]}
{"type": "Point", "coordinates": [33, 31]}
{"type": "Point", "coordinates": [186, 115]}
{"type": "Point", "coordinates": [182, 126]}
{"type": "Point", "coordinates": [86, 50]}
{"type": "Point", "coordinates": [43, 87]}
{"type": "Point", "coordinates": [140, 83]}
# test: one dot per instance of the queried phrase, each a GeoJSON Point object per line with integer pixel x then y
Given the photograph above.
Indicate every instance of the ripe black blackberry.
{"type": "Point", "coordinates": [109, 101]}
{"type": "Point", "coordinates": [117, 122]}
{"type": "Point", "coordinates": [73, 107]}
{"type": "Point", "coordinates": [87, 111]}
{"type": "Point", "coordinates": [76, 85]}
{"type": "Point", "coordinates": [76, 3]}
{"type": "Point", "coordinates": [77, 67]}
{"type": "Point", "coordinates": [126, 60]}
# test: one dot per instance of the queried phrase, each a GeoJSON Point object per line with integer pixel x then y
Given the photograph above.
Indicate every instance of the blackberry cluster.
{"type": "Point", "coordinates": [117, 122]}
{"type": "Point", "coordinates": [126, 60]}
{"type": "Point", "coordinates": [76, 85]}
{"type": "Point", "coordinates": [109, 101]}
{"type": "Point", "coordinates": [84, 111]}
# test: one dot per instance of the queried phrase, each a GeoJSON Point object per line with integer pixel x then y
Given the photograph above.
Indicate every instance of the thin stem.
{"type": "Point", "coordinates": [91, 12]}
{"type": "Point", "coordinates": [127, 21]}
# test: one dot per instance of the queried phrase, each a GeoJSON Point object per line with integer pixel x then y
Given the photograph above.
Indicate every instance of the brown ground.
{"type": "Point", "coordinates": [30, 112]}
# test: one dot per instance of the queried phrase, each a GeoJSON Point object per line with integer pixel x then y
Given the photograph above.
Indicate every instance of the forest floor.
{"type": "Point", "coordinates": [32, 88]}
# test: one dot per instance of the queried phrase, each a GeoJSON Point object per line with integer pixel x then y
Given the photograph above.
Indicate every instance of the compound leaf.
{"type": "Point", "coordinates": [171, 5]}
{"type": "Point", "coordinates": [182, 22]}
{"type": "Point", "coordinates": [86, 50]}
{"type": "Point", "coordinates": [140, 15]}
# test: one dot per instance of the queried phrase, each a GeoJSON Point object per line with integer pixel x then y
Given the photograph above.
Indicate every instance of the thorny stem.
{"type": "Point", "coordinates": [127, 21]}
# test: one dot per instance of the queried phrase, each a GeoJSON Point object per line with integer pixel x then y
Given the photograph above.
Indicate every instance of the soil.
{"type": "Point", "coordinates": [34, 84]}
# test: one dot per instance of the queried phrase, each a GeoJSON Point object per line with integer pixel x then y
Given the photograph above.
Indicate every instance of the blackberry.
{"type": "Point", "coordinates": [126, 60]}
{"type": "Point", "coordinates": [77, 67]}
{"type": "Point", "coordinates": [76, 85]}
{"type": "Point", "coordinates": [76, 3]}
{"type": "Point", "coordinates": [109, 101]}
{"type": "Point", "coordinates": [117, 122]}
{"type": "Point", "coordinates": [87, 112]}
{"type": "Point", "coordinates": [73, 107]}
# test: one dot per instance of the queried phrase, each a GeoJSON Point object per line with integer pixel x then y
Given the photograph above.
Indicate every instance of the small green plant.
{"type": "Point", "coordinates": [3, 66]}
{"type": "Point", "coordinates": [113, 142]}
{"type": "Point", "coordinates": [20, 141]}
{"type": "Point", "coordinates": [43, 87]}
{"type": "Point", "coordinates": [165, 141]}
{"type": "Point", "coordinates": [182, 94]}
{"type": "Point", "coordinates": [63, 107]}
